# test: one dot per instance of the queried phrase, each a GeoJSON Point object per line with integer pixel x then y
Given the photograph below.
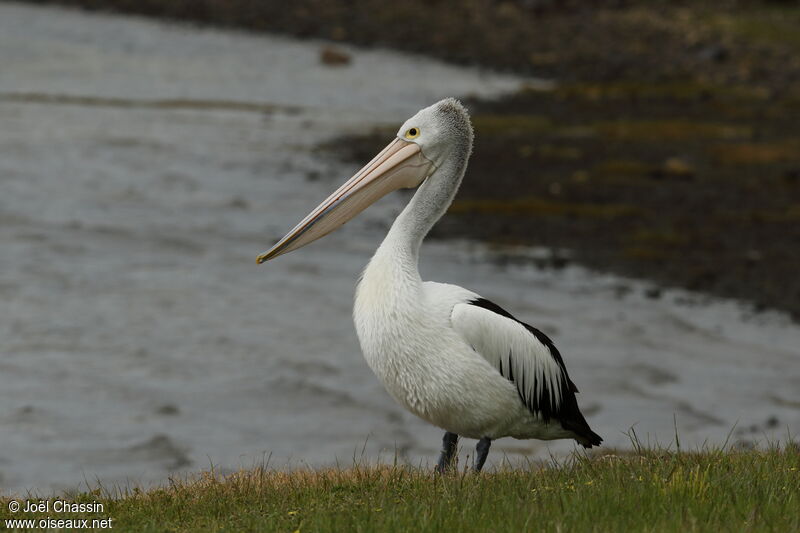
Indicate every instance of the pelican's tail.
{"type": "Point", "coordinates": [588, 438]}
{"type": "Point", "coordinates": [580, 429]}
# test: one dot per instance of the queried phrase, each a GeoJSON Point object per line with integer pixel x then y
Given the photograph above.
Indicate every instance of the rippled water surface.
{"type": "Point", "coordinates": [143, 166]}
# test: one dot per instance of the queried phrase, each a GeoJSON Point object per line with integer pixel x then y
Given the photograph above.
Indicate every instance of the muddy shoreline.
{"type": "Point", "coordinates": [670, 152]}
{"type": "Point", "coordinates": [571, 40]}
{"type": "Point", "coordinates": [610, 177]}
{"type": "Point", "coordinates": [707, 200]}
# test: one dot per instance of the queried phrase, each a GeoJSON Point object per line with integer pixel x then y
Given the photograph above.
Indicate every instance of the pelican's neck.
{"type": "Point", "coordinates": [401, 245]}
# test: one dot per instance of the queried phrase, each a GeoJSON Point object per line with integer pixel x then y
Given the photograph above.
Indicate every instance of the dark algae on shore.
{"type": "Point", "coordinates": [669, 149]}
{"type": "Point", "coordinates": [676, 184]}
{"type": "Point", "coordinates": [697, 187]}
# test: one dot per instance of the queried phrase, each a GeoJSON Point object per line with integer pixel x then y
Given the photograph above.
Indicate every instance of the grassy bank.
{"type": "Point", "coordinates": [645, 491]}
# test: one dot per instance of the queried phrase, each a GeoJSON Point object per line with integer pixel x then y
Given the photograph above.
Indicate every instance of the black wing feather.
{"type": "Point", "coordinates": [567, 412]}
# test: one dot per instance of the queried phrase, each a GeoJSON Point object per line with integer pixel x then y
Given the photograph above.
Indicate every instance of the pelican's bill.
{"type": "Point", "coordinates": [400, 165]}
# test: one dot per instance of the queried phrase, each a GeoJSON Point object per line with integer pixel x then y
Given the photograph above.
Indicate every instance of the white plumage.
{"type": "Point", "coordinates": [449, 356]}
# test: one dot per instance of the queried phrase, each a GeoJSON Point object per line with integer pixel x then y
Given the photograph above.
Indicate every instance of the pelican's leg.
{"type": "Point", "coordinates": [449, 446]}
{"type": "Point", "coordinates": [481, 452]}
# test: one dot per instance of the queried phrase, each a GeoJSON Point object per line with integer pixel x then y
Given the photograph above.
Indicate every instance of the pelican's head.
{"type": "Point", "coordinates": [423, 144]}
{"type": "Point", "coordinates": [441, 131]}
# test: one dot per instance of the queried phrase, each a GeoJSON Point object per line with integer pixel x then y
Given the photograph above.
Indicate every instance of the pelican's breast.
{"type": "Point", "coordinates": [408, 341]}
{"type": "Point", "coordinates": [393, 332]}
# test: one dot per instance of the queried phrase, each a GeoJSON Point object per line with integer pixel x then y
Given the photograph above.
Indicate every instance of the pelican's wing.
{"type": "Point", "coordinates": [528, 358]}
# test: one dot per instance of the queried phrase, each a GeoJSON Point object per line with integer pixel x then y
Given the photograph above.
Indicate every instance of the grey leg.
{"type": "Point", "coordinates": [449, 447]}
{"type": "Point", "coordinates": [481, 452]}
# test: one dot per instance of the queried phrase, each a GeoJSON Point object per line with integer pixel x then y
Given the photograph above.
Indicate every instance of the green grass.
{"type": "Point", "coordinates": [642, 491]}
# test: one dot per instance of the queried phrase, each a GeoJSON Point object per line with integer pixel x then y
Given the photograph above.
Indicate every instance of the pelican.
{"type": "Point", "coordinates": [451, 357]}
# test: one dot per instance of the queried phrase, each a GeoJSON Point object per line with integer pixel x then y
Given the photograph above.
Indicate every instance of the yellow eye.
{"type": "Point", "coordinates": [413, 133]}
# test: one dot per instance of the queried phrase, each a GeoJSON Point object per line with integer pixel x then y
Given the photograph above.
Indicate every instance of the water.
{"type": "Point", "coordinates": [143, 166]}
